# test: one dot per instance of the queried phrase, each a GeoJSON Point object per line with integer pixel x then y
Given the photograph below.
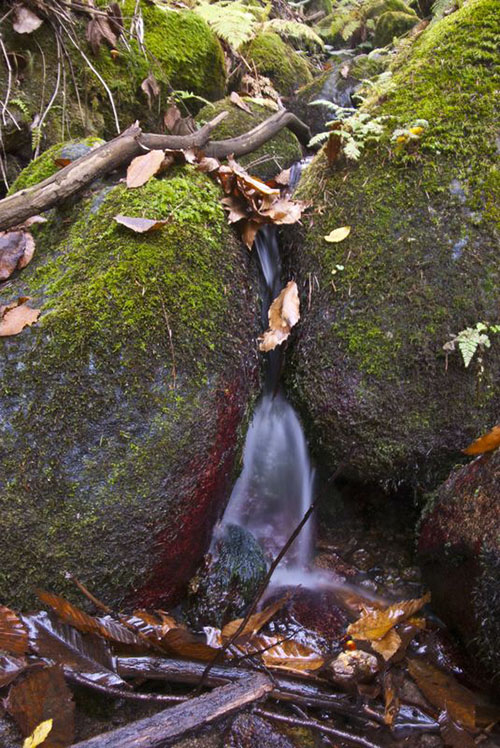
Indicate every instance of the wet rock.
{"type": "Point", "coordinates": [351, 668]}
{"type": "Point", "coordinates": [226, 584]}
{"type": "Point", "coordinates": [459, 547]}
{"type": "Point", "coordinates": [318, 610]}
{"type": "Point", "coordinates": [120, 410]}
{"type": "Point", "coordinates": [368, 371]}
{"type": "Point", "coordinates": [250, 731]}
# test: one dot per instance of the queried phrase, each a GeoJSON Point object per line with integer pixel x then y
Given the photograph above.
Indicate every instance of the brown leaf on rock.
{"type": "Point", "coordinates": [171, 118]}
{"type": "Point", "coordinates": [391, 697]}
{"type": "Point", "coordinates": [13, 632]}
{"type": "Point", "coordinates": [376, 624]}
{"type": "Point", "coordinates": [142, 168]}
{"type": "Point", "coordinates": [284, 211]}
{"type": "Point", "coordinates": [255, 622]}
{"type": "Point", "coordinates": [453, 734]}
{"type": "Point", "coordinates": [486, 443]}
{"type": "Point", "coordinates": [16, 316]}
{"type": "Point", "coordinates": [10, 668]}
{"type": "Point", "coordinates": [25, 21]}
{"type": "Point", "coordinates": [16, 251]}
{"type": "Point", "coordinates": [388, 645]}
{"type": "Point", "coordinates": [283, 178]}
{"type": "Point", "coordinates": [249, 232]}
{"type": "Point", "coordinates": [333, 145]}
{"type": "Point", "coordinates": [285, 655]}
{"type": "Point", "coordinates": [238, 101]}
{"type": "Point", "coordinates": [283, 315]}
{"type": "Point", "coordinates": [99, 28]}
{"type": "Point", "coordinates": [207, 164]}
{"type": "Point", "coordinates": [184, 643]}
{"type": "Point", "coordinates": [41, 695]}
{"type": "Point", "coordinates": [151, 88]}
{"type": "Point", "coordinates": [237, 208]}
{"type": "Point", "coordinates": [140, 225]}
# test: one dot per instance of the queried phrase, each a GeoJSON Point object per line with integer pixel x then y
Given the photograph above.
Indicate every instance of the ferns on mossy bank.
{"type": "Point", "coordinates": [298, 33]}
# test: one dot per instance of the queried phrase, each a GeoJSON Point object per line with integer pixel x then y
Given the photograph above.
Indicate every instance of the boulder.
{"type": "Point", "coordinates": [459, 548]}
{"type": "Point", "coordinates": [278, 153]}
{"type": "Point", "coordinates": [354, 23]}
{"type": "Point", "coordinates": [421, 264]}
{"type": "Point", "coordinates": [120, 409]}
{"type": "Point", "coordinates": [277, 60]}
{"type": "Point", "coordinates": [392, 24]}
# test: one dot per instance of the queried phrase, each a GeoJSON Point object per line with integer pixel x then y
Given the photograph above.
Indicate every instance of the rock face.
{"type": "Point", "coordinates": [120, 411]}
{"type": "Point", "coordinates": [421, 264]}
{"type": "Point", "coordinates": [459, 546]}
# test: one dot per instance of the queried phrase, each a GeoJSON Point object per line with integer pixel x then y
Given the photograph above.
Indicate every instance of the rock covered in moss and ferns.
{"type": "Point", "coordinates": [459, 546]}
{"type": "Point", "coordinates": [392, 24]}
{"type": "Point", "coordinates": [421, 264]}
{"type": "Point", "coordinates": [178, 48]}
{"type": "Point", "coordinates": [120, 409]}
{"type": "Point", "coordinates": [277, 60]}
{"type": "Point", "coordinates": [356, 23]}
{"type": "Point", "coordinates": [278, 153]}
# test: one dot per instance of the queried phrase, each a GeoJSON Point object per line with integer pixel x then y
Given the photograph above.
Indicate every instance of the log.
{"type": "Point", "coordinates": [173, 723]}
{"type": "Point", "coordinates": [118, 152]}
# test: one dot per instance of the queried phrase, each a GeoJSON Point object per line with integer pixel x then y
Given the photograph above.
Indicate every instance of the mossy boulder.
{"type": "Point", "coordinates": [120, 410]}
{"type": "Point", "coordinates": [459, 548]}
{"type": "Point", "coordinates": [278, 61]}
{"type": "Point", "coordinates": [392, 24]}
{"type": "Point", "coordinates": [179, 49]}
{"type": "Point", "coordinates": [421, 264]}
{"type": "Point", "coordinates": [278, 153]}
{"type": "Point", "coordinates": [356, 24]}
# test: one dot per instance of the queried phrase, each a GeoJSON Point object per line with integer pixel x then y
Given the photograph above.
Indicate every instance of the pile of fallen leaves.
{"type": "Point", "coordinates": [43, 651]}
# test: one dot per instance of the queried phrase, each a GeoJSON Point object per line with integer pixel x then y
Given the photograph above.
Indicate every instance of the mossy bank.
{"type": "Point", "coordinates": [120, 410]}
{"type": "Point", "coordinates": [421, 264]}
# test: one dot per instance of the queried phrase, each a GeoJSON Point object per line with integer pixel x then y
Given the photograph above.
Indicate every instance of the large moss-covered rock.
{"type": "Point", "coordinates": [421, 264]}
{"type": "Point", "coordinates": [392, 24]}
{"type": "Point", "coordinates": [278, 61]}
{"type": "Point", "coordinates": [278, 153]}
{"type": "Point", "coordinates": [357, 23]}
{"type": "Point", "coordinates": [459, 547]}
{"type": "Point", "coordinates": [120, 409]}
{"type": "Point", "coordinates": [179, 49]}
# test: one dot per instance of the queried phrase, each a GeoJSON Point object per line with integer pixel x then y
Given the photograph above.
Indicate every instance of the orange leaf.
{"type": "Point", "coordinates": [388, 645]}
{"type": "Point", "coordinates": [13, 633]}
{"type": "Point", "coordinates": [375, 625]}
{"type": "Point", "coordinates": [255, 622]}
{"type": "Point", "coordinates": [485, 443]}
{"type": "Point", "coordinates": [142, 168]}
{"type": "Point", "coordinates": [186, 644]}
{"type": "Point", "coordinates": [286, 655]}
{"type": "Point", "coordinates": [15, 317]}
{"type": "Point", "coordinates": [283, 315]}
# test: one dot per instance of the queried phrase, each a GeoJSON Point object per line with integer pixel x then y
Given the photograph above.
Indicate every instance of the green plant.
{"type": "Point", "coordinates": [403, 136]}
{"type": "Point", "coordinates": [471, 340]}
{"type": "Point", "coordinates": [356, 129]}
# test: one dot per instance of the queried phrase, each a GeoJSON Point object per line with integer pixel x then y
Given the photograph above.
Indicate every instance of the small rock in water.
{"type": "Point", "coordinates": [355, 667]}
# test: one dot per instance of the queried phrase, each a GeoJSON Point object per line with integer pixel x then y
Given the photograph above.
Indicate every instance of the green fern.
{"type": "Point", "coordinates": [471, 340]}
{"type": "Point", "coordinates": [298, 33]}
{"type": "Point", "coordinates": [230, 20]}
{"type": "Point", "coordinates": [356, 128]}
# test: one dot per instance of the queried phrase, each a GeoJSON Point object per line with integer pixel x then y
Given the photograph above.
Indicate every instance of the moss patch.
{"type": "Point", "coordinates": [278, 61]}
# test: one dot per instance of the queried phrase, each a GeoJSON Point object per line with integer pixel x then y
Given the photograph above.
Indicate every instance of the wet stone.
{"type": "Point", "coordinates": [249, 731]}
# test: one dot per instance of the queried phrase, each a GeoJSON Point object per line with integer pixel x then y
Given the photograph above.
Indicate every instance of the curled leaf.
{"type": "Point", "coordinates": [388, 645]}
{"type": "Point", "coordinates": [338, 235]}
{"type": "Point", "coordinates": [376, 624]}
{"type": "Point", "coordinates": [142, 168]}
{"type": "Point", "coordinates": [13, 632]}
{"type": "Point", "coordinates": [16, 251]}
{"type": "Point", "coordinates": [10, 668]}
{"type": "Point", "coordinates": [238, 101]}
{"type": "Point", "coordinates": [150, 87]}
{"type": "Point", "coordinates": [284, 313]}
{"type": "Point", "coordinates": [15, 317]}
{"type": "Point", "coordinates": [140, 225]}
{"type": "Point", "coordinates": [286, 655]}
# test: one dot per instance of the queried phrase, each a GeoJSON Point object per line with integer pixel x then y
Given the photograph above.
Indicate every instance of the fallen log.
{"type": "Point", "coordinates": [118, 152]}
{"type": "Point", "coordinates": [173, 723]}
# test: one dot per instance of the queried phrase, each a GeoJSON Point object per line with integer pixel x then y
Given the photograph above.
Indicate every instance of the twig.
{"type": "Point", "coordinates": [94, 600]}
{"type": "Point", "coordinates": [314, 725]}
{"type": "Point", "coordinates": [118, 693]}
{"type": "Point", "coordinates": [54, 94]}
{"type": "Point", "coordinates": [265, 581]}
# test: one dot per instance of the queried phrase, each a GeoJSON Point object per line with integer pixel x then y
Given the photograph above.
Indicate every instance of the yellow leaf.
{"type": "Point", "coordinates": [255, 622]}
{"type": "Point", "coordinates": [485, 443]}
{"type": "Point", "coordinates": [38, 735]}
{"type": "Point", "coordinates": [416, 130]}
{"type": "Point", "coordinates": [286, 655]}
{"type": "Point", "coordinates": [388, 645]}
{"type": "Point", "coordinates": [375, 625]}
{"type": "Point", "coordinates": [338, 235]}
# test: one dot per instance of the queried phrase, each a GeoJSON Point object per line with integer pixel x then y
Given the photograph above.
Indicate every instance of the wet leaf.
{"type": "Point", "coordinates": [43, 695]}
{"type": "Point", "coordinates": [140, 225]}
{"type": "Point", "coordinates": [151, 88]}
{"type": "Point", "coordinates": [255, 622]}
{"type": "Point", "coordinates": [338, 235]}
{"type": "Point", "coordinates": [376, 624]}
{"type": "Point", "coordinates": [88, 655]}
{"type": "Point", "coordinates": [333, 147]}
{"type": "Point", "coordinates": [283, 315]}
{"type": "Point", "coordinates": [249, 232]}
{"type": "Point", "coordinates": [186, 644]}
{"type": "Point", "coordinates": [16, 251]}
{"type": "Point", "coordinates": [285, 655]}
{"type": "Point", "coordinates": [388, 645]}
{"type": "Point", "coordinates": [453, 734]}
{"type": "Point", "coordinates": [142, 168]}
{"type": "Point", "coordinates": [15, 317]}
{"type": "Point", "coordinates": [444, 692]}
{"type": "Point", "coordinates": [485, 443]}
{"type": "Point", "coordinates": [25, 21]}
{"type": "Point", "coordinates": [391, 698]}
{"type": "Point", "coordinates": [10, 668]}
{"type": "Point", "coordinates": [13, 632]}
{"type": "Point", "coordinates": [39, 734]}
{"type": "Point", "coordinates": [237, 208]}
{"type": "Point", "coordinates": [238, 101]}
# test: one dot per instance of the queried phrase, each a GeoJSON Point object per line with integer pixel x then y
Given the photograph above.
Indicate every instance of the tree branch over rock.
{"type": "Point", "coordinates": [118, 152]}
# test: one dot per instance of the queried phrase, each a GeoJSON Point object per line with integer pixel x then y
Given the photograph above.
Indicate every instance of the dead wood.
{"type": "Point", "coordinates": [171, 724]}
{"type": "Point", "coordinates": [118, 152]}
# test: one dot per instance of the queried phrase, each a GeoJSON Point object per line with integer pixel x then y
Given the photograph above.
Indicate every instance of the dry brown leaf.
{"type": "Point", "coordinates": [238, 101]}
{"type": "Point", "coordinates": [115, 18]}
{"type": "Point", "coordinates": [333, 146]}
{"type": "Point", "coordinates": [377, 623]}
{"type": "Point", "coordinates": [171, 118]}
{"type": "Point", "coordinates": [16, 251]}
{"type": "Point", "coordinates": [388, 645]}
{"type": "Point", "coordinates": [284, 211]}
{"type": "Point", "coordinates": [99, 29]}
{"type": "Point", "coordinates": [207, 164]}
{"type": "Point", "coordinates": [237, 208]}
{"type": "Point", "coordinates": [15, 317]}
{"type": "Point", "coordinates": [249, 232]}
{"type": "Point", "coordinates": [13, 632]}
{"type": "Point", "coordinates": [41, 695]}
{"type": "Point", "coordinates": [284, 313]}
{"type": "Point", "coordinates": [25, 21]}
{"type": "Point", "coordinates": [142, 168]}
{"type": "Point", "coordinates": [140, 225]}
{"type": "Point", "coordinates": [151, 88]}
{"type": "Point", "coordinates": [283, 178]}
{"type": "Point", "coordinates": [485, 443]}
{"type": "Point", "coordinates": [255, 622]}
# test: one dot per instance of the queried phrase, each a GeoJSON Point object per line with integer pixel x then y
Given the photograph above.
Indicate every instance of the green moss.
{"type": "Point", "coordinates": [277, 154]}
{"type": "Point", "coordinates": [278, 61]}
{"type": "Point", "coordinates": [392, 24]}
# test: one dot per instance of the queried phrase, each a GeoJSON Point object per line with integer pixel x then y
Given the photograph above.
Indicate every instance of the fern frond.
{"type": "Point", "coordinates": [298, 33]}
{"type": "Point", "coordinates": [229, 20]}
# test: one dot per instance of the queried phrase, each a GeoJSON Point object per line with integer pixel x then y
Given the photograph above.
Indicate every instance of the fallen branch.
{"type": "Point", "coordinates": [121, 150]}
{"type": "Point", "coordinates": [171, 724]}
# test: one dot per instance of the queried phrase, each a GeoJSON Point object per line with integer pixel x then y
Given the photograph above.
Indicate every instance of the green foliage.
{"type": "Point", "coordinates": [356, 128]}
{"type": "Point", "coordinates": [295, 32]}
{"type": "Point", "coordinates": [471, 340]}
{"type": "Point", "coordinates": [231, 21]}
